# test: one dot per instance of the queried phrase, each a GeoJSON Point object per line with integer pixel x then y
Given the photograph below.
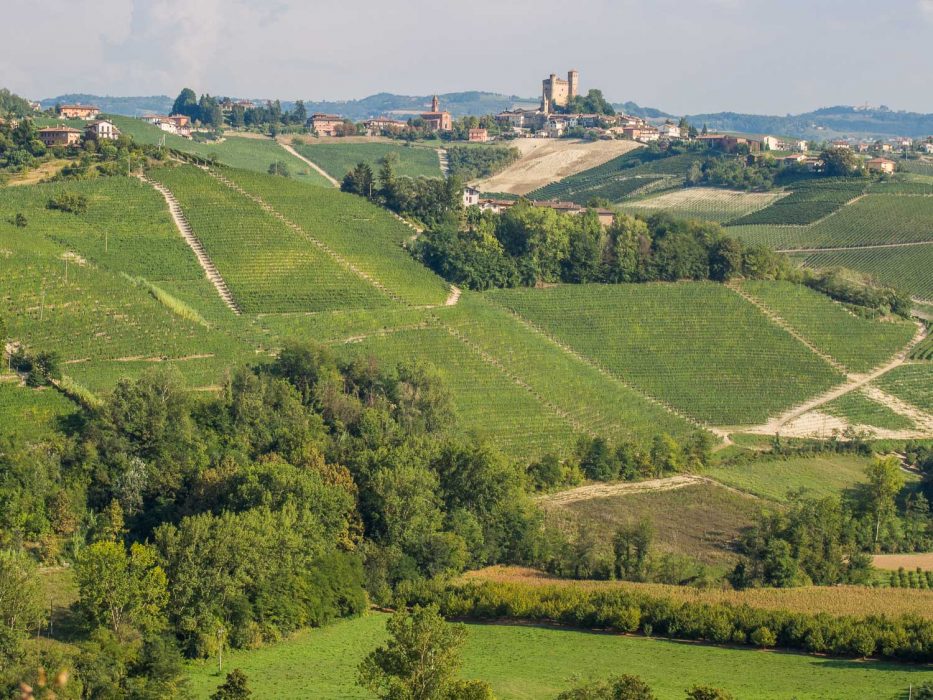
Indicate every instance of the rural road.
{"type": "Point", "coordinates": [314, 165]}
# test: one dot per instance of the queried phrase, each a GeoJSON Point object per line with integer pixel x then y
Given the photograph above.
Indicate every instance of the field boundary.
{"type": "Point", "coordinates": [290, 149]}
{"type": "Point", "coordinates": [842, 249]}
{"type": "Point", "coordinates": [187, 233]}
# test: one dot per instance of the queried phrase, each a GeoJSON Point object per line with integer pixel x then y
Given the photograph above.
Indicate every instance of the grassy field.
{"type": "Point", "coordinates": [337, 157]}
{"type": "Point", "coordinates": [708, 521]}
{"type": "Point", "coordinates": [29, 413]}
{"type": "Point", "coordinates": [523, 662]}
{"type": "Point", "coordinates": [249, 153]}
{"type": "Point", "coordinates": [707, 203]}
{"type": "Point", "coordinates": [855, 342]}
{"type": "Point", "coordinates": [698, 347]}
{"type": "Point", "coordinates": [821, 476]}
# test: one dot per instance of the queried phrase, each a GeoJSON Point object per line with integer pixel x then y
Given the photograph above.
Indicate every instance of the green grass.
{"type": "Point", "coordinates": [528, 663]}
{"type": "Point", "coordinates": [255, 154]}
{"type": "Point", "coordinates": [268, 266]}
{"type": "Point", "coordinates": [699, 347]}
{"type": "Point", "coordinates": [859, 409]}
{"type": "Point", "coordinates": [705, 203]}
{"type": "Point", "coordinates": [912, 383]}
{"type": "Point", "coordinates": [702, 521]}
{"type": "Point", "coordinates": [855, 342]}
{"type": "Point", "coordinates": [361, 232]}
{"type": "Point", "coordinates": [907, 268]}
{"type": "Point", "coordinates": [29, 414]}
{"type": "Point", "coordinates": [823, 475]}
{"type": "Point", "coordinates": [337, 158]}
{"type": "Point", "coordinates": [486, 399]}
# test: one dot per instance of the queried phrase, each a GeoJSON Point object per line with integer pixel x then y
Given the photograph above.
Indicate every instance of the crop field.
{"type": "Point", "coordinates": [912, 383]}
{"type": "Point", "coordinates": [597, 402]}
{"type": "Point", "coordinates": [341, 326]}
{"type": "Point", "coordinates": [698, 347]}
{"type": "Point", "coordinates": [29, 413]}
{"type": "Point", "coordinates": [924, 349]}
{"type": "Point", "coordinates": [809, 201]}
{"type": "Point", "coordinates": [255, 154]}
{"type": "Point", "coordinates": [858, 343]}
{"type": "Point", "coordinates": [337, 158]}
{"type": "Point", "coordinates": [707, 203]}
{"type": "Point", "coordinates": [529, 663]}
{"type": "Point", "coordinates": [859, 409]}
{"type": "Point", "coordinates": [268, 266]}
{"type": "Point", "coordinates": [907, 267]}
{"type": "Point", "coordinates": [361, 232]}
{"type": "Point", "coordinates": [485, 398]}
{"type": "Point", "coordinates": [709, 518]}
{"type": "Point", "coordinates": [823, 475]}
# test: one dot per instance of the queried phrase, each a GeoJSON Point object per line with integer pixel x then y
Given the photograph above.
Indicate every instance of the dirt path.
{"type": "Point", "coordinates": [853, 247]}
{"type": "Point", "coordinates": [443, 161]}
{"type": "Point", "coordinates": [289, 149]}
{"type": "Point", "coordinates": [547, 160]}
{"type": "Point", "coordinates": [923, 419]}
{"type": "Point", "coordinates": [453, 297]}
{"type": "Point", "coordinates": [782, 422]}
{"type": "Point", "coordinates": [590, 491]}
{"type": "Point", "coordinates": [184, 228]}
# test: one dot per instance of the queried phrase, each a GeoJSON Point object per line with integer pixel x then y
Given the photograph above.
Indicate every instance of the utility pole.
{"type": "Point", "coordinates": [42, 307]}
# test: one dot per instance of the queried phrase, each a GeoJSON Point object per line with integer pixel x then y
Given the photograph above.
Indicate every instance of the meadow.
{"type": "Point", "coordinates": [698, 347]}
{"type": "Point", "coordinates": [253, 152]}
{"type": "Point", "coordinates": [858, 343]}
{"type": "Point", "coordinates": [337, 157]}
{"type": "Point", "coordinates": [524, 662]}
{"type": "Point", "coordinates": [30, 413]}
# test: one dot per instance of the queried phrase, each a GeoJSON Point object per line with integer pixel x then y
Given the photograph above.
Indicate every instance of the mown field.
{"type": "Point", "coordinates": [523, 662]}
{"type": "Point", "coordinates": [338, 157]}
{"type": "Point", "coordinates": [773, 479]}
{"type": "Point", "coordinates": [249, 153]}
{"type": "Point", "coordinates": [698, 347]}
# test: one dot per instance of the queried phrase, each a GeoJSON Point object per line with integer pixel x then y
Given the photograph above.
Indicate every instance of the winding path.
{"type": "Point", "coordinates": [289, 149]}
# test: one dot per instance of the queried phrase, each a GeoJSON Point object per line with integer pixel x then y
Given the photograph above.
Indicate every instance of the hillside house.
{"type": "Point", "coordinates": [78, 111]}
{"type": "Point", "coordinates": [928, 147]}
{"type": "Point", "coordinates": [326, 124]}
{"type": "Point", "coordinates": [436, 120]}
{"type": "Point", "coordinates": [101, 130]}
{"type": "Point", "coordinates": [772, 143]}
{"type": "Point", "coordinates": [643, 133]}
{"type": "Point", "coordinates": [470, 196]}
{"type": "Point", "coordinates": [669, 130]}
{"type": "Point", "coordinates": [381, 125]}
{"type": "Point", "coordinates": [729, 144]}
{"type": "Point", "coordinates": [59, 136]}
{"type": "Point", "coordinates": [881, 165]}
{"type": "Point", "coordinates": [479, 135]}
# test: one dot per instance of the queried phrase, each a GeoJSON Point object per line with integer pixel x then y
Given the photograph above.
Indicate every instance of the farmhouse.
{"type": "Point", "coordinates": [78, 111]}
{"type": "Point", "coordinates": [669, 130]}
{"type": "Point", "coordinates": [479, 135]}
{"type": "Point", "coordinates": [101, 129]}
{"type": "Point", "coordinates": [642, 133]}
{"type": "Point", "coordinates": [59, 136]}
{"type": "Point", "coordinates": [556, 92]}
{"type": "Point", "coordinates": [470, 196]}
{"type": "Point", "coordinates": [436, 120]}
{"type": "Point", "coordinates": [326, 124]}
{"type": "Point", "coordinates": [881, 165]}
{"type": "Point", "coordinates": [383, 124]}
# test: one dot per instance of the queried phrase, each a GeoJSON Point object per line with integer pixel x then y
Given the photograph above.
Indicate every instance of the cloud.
{"type": "Point", "coordinates": [926, 9]}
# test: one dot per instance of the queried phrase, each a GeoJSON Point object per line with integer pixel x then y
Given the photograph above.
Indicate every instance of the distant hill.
{"type": "Point", "coordinates": [638, 111]}
{"type": "Point", "coordinates": [127, 106]}
{"type": "Point", "coordinates": [828, 122]}
{"type": "Point", "coordinates": [457, 103]}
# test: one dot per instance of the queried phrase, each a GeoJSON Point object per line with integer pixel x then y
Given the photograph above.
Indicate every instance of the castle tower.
{"type": "Point", "coordinates": [435, 104]}
{"type": "Point", "coordinates": [573, 83]}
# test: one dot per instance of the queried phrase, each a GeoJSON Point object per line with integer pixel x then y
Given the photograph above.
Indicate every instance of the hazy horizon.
{"type": "Point", "coordinates": [753, 56]}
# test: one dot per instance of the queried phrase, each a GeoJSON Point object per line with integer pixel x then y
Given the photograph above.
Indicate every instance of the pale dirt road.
{"type": "Point", "coordinates": [547, 160]}
{"type": "Point", "coordinates": [288, 148]}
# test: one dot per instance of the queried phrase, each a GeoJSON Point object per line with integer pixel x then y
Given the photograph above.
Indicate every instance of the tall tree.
{"type": "Point", "coordinates": [885, 481]}
{"type": "Point", "coordinates": [186, 104]}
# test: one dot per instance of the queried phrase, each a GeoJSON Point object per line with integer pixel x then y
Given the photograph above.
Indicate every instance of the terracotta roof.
{"type": "Point", "coordinates": [58, 130]}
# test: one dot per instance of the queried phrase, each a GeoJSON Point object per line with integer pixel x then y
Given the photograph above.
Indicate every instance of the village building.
{"type": "Point", "coordinates": [644, 133]}
{"type": "Point", "coordinates": [78, 111]}
{"type": "Point", "coordinates": [382, 124]}
{"type": "Point", "coordinates": [881, 165]}
{"type": "Point", "coordinates": [326, 124]}
{"type": "Point", "coordinates": [436, 120]}
{"type": "Point", "coordinates": [772, 143]}
{"type": "Point", "coordinates": [101, 130]}
{"type": "Point", "coordinates": [470, 196]}
{"type": "Point", "coordinates": [928, 147]}
{"type": "Point", "coordinates": [60, 136]}
{"type": "Point", "coordinates": [669, 130]}
{"type": "Point", "coordinates": [557, 92]}
{"type": "Point", "coordinates": [478, 135]}
{"type": "Point", "coordinates": [729, 144]}
{"type": "Point", "coordinates": [841, 144]}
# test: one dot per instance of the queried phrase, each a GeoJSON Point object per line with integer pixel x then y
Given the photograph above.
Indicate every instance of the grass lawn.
{"type": "Point", "coordinates": [537, 662]}
{"type": "Point", "coordinates": [821, 476]}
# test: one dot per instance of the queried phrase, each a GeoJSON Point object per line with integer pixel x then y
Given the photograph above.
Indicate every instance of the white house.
{"type": "Point", "coordinates": [772, 143]}
{"type": "Point", "coordinates": [101, 129]}
{"type": "Point", "coordinates": [669, 130]}
{"type": "Point", "coordinates": [470, 196]}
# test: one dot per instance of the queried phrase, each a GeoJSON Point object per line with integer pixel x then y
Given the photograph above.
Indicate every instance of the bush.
{"type": "Point", "coordinates": [68, 202]}
{"type": "Point", "coordinates": [763, 637]}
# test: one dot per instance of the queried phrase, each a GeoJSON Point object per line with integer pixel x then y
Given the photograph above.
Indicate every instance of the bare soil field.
{"type": "Point", "coordinates": [547, 160]}
{"type": "Point", "coordinates": [893, 562]}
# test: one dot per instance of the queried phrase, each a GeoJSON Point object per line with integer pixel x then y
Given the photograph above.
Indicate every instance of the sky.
{"type": "Point", "coordinates": [759, 56]}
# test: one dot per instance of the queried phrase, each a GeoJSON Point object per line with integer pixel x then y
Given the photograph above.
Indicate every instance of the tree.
{"type": "Point", "coordinates": [631, 546]}
{"type": "Point", "coordinates": [360, 181]}
{"type": "Point", "coordinates": [186, 104]}
{"type": "Point", "coordinates": [420, 660]}
{"type": "Point", "coordinates": [119, 588]}
{"type": "Point", "coordinates": [706, 692]}
{"type": "Point", "coordinates": [279, 167]}
{"type": "Point", "coordinates": [233, 688]}
{"type": "Point", "coordinates": [21, 604]}
{"type": "Point", "coordinates": [840, 162]}
{"type": "Point", "coordinates": [624, 687]}
{"type": "Point", "coordinates": [885, 481]}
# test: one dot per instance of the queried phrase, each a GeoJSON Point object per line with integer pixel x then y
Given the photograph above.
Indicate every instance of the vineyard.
{"type": "Point", "coordinates": [809, 201]}
{"type": "Point", "coordinates": [912, 383]}
{"type": "Point", "coordinates": [340, 157]}
{"type": "Point", "coordinates": [268, 266]}
{"type": "Point", "coordinates": [255, 154]}
{"type": "Point", "coordinates": [858, 409]}
{"type": "Point", "coordinates": [855, 342]}
{"type": "Point", "coordinates": [707, 203]}
{"type": "Point", "coordinates": [361, 232]}
{"type": "Point", "coordinates": [907, 267]}
{"type": "Point", "coordinates": [699, 347]}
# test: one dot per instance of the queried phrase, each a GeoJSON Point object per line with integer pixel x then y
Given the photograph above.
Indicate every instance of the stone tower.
{"type": "Point", "coordinates": [573, 83]}
{"type": "Point", "coordinates": [435, 104]}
